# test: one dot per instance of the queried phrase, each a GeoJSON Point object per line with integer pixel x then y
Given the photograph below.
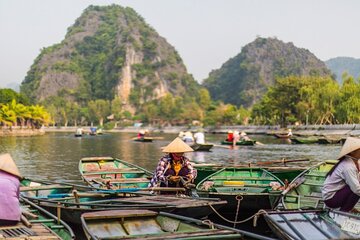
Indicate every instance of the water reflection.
{"type": "Point", "coordinates": [56, 155]}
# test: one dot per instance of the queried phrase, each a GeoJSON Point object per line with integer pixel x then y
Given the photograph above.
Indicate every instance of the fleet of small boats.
{"type": "Point", "coordinates": [314, 224]}
{"type": "Point", "coordinates": [240, 143]}
{"type": "Point", "coordinates": [113, 173]}
{"type": "Point", "coordinates": [117, 203]}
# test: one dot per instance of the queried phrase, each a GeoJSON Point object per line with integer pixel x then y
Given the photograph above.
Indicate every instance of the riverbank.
{"type": "Point", "coordinates": [309, 130]}
{"type": "Point", "coordinates": [21, 132]}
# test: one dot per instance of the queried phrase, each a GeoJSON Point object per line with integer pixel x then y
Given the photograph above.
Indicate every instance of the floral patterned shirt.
{"type": "Point", "coordinates": [164, 164]}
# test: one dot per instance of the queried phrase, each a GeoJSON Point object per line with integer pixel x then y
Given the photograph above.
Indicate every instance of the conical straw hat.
{"type": "Point", "coordinates": [8, 165]}
{"type": "Point", "coordinates": [177, 146]}
{"type": "Point", "coordinates": [351, 144]}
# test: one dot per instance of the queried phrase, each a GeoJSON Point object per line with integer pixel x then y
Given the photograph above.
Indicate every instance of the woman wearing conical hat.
{"type": "Point", "coordinates": [173, 165]}
{"type": "Point", "coordinates": [10, 211]}
{"type": "Point", "coordinates": [342, 187]}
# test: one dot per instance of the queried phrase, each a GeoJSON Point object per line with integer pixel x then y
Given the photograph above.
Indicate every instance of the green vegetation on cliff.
{"type": "Point", "coordinates": [243, 79]}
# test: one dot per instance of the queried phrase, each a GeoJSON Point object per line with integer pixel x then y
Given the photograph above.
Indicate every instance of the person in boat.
{"type": "Point", "coordinates": [174, 167]}
{"type": "Point", "coordinates": [244, 136]}
{"type": "Point", "coordinates": [10, 211]}
{"type": "Point", "coordinates": [289, 132]}
{"type": "Point", "coordinates": [236, 137]}
{"type": "Point", "coordinates": [79, 131]}
{"type": "Point", "coordinates": [141, 134]}
{"type": "Point", "coordinates": [199, 136]}
{"type": "Point", "coordinates": [188, 137]}
{"type": "Point", "coordinates": [230, 136]}
{"type": "Point", "coordinates": [341, 188]}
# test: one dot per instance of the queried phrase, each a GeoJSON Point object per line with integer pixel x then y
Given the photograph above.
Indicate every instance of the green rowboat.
{"type": "Point", "coordinates": [314, 224]}
{"type": "Point", "coordinates": [304, 140]}
{"type": "Point", "coordinates": [305, 190]}
{"type": "Point", "coordinates": [202, 147]}
{"type": "Point", "coordinates": [240, 143]}
{"type": "Point", "coordinates": [38, 224]}
{"type": "Point", "coordinates": [251, 186]}
{"type": "Point", "coordinates": [113, 173]}
{"type": "Point", "coordinates": [144, 224]}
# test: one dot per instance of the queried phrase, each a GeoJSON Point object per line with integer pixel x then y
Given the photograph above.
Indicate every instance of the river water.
{"type": "Point", "coordinates": [55, 156]}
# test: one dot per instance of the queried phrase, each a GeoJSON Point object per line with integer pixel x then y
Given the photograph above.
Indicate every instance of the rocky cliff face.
{"type": "Point", "coordinates": [109, 51]}
{"type": "Point", "coordinates": [242, 80]}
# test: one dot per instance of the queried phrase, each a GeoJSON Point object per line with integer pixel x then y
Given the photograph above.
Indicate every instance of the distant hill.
{"type": "Point", "coordinates": [339, 65]}
{"type": "Point", "coordinates": [243, 79]}
{"type": "Point", "coordinates": [109, 51]}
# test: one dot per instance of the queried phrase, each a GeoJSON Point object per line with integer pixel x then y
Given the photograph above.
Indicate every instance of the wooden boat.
{"type": "Point", "coordinates": [282, 135]}
{"type": "Point", "coordinates": [304, 140]}
{"type": "Point", "coordinates": [144, 224]}
{"type": "Point", "coordinates": [44, 189]}
{"type": "Point", "coordinates": [305, 190]}
{"type": "Point", "coordinates": [283, 171]}
{"type": "Point", "coordinates": [38, 224]}
{"type": "Point", "coordinates": [70, 206]}
{"type": "Point", "coordinates": [314, 224]}
{"type": "Point", "coordinates": [251, 186]}
{"type": "Point", "coordinates": [202, 147]}
{"type": "Point", "coordinates": [113, 173]}
{"type": "Point", "coordinates": [239, 143]}
{"type": "Point", "coordinates": [330, 140]}
{"type": "Point", "coordinates": [144, 139]}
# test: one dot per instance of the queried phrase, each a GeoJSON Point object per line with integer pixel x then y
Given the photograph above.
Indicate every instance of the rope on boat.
{"type": "Point", "coordinates": [255, 216]}
{"type": "Point", "coordinates": [238, 199]}
{"type": "Point", "coordinates": [209, 223]}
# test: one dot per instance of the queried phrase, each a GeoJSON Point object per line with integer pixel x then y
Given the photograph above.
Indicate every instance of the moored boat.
{"type": "Point", "coordinates": [38, 224]}
{"type": "Point", "coordinates": [304, 140]}
{"type": "Point", "coordinates": [144, 139]}
{"type": "Point", "coordinates": [282, 171]}
{"type": "Point", "coordinates": [202, 147]}
{"type": "Point", "coordinates": [253, 188]}
{"type": "Point", "coordinates": [314, 224]}
{"type": "Point", "coordinates": [240, 143]}
{"type": "Point", "coordinates": [282, 135]}
{"type": "Point", "coordinates": [71, 206]}
{"type": "Point", "coordinates": [305, 190]}
{"type": "Point", "coordinates": [144, 224]}
{"type": "Point", "coordinates": [113, 173]}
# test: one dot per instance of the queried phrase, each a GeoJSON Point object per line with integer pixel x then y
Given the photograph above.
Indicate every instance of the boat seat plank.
{"type": "Point", "coordinates": [119, 214]}
{"type": "Point", "coordinates": [115, 171]}
{"type": "Point", "coordinates": [127, 180]}
{"type": "Point", "coordinates": [96, 159]}
{"type": "Point", "coordinates": [314, 183]}
{"type": "Point", "coordinates": [44, 187]}
{"type": "Point", "coordinates": [242, 178]}
{"type": "Point", "coordinates": [219, 233]}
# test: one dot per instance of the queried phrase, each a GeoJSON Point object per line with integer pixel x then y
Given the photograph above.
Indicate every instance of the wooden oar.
{"type": "Point", "coordinates": [157, 138]}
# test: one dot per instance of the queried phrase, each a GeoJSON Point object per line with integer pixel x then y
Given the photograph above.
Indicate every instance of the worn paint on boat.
{"type": "Point", "coordinates": [113, 173]}
{"type": "Point", "coordinates": [70, 208]}
{"type": "Point", "coordinates": [287, 173]}
{"type": "Point", "coordinates": [251, 186]}
{"type": "Point", "coordinates": [240, 143]}
{"type": "Point", "coordinates": [39, 224]}
{"type": "Point", "coordinates": [314, 224]}
{"type": "Point", "coordinates": [305, 190]}
{"type": "Point", "coordinates": [144, 224]}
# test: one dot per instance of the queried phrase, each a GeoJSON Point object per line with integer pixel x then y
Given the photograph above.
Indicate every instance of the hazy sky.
{"type": "Point", "coordinates": [206, 33]}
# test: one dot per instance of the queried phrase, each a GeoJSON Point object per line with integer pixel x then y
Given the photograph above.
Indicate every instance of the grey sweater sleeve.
{"type": "Point", "coordinates": [351, 178]}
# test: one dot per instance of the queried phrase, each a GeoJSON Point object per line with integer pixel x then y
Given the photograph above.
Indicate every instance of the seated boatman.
{"type": "Point", "coordinates": [173, 166]}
